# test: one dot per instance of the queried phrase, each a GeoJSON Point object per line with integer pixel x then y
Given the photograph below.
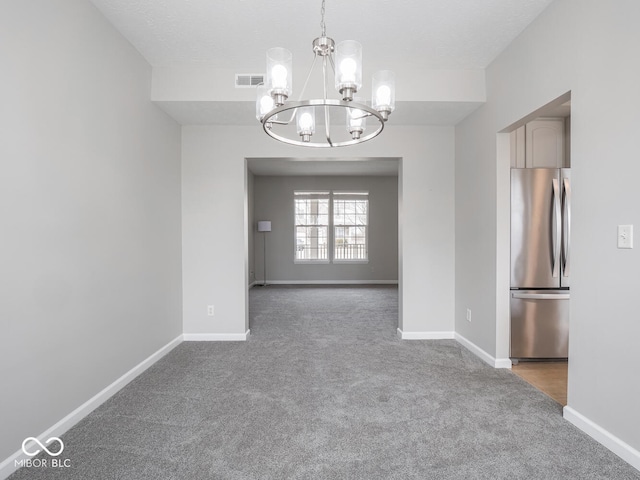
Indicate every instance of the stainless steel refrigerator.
{"type": "Point", "coordinates": [540, 262]}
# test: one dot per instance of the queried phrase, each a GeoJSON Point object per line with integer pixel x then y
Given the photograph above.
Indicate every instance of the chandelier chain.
{"type": "Point", "coordinates": [323, 27]}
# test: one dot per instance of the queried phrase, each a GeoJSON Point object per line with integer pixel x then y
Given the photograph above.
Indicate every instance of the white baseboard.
{"type": "Point", "coordinates": [599, 434]}
{"type": "Point", "coordinates": [425, 335]}
{"type": "Point", "coordinates": [7, 467]}
{"type": "Point", "coordinates": [476, 350]}
{"type": "Point", "coordinates": [332, 282]}
{"type": "Point", "coordinates": [216, 337]}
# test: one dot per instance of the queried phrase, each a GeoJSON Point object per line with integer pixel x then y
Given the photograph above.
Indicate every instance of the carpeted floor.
{"type": "Point", "coordinates": [323, 389]}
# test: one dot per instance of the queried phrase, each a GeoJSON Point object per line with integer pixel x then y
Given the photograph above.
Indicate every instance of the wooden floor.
{"type": "Point", "coordinates": [549, 377]}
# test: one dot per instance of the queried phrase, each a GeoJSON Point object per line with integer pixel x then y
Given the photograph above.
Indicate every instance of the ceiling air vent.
{"type": "Point", "coordinates": [248, 80]}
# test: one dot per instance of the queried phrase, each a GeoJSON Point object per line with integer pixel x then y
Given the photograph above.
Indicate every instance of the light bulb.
{"type": "Point", "coordinates": [356, 117]}
{"type": "Point", "coordinates": [279, 76]}
{"type": "Point", "coordinates": [266, 104]}
{"type": "Point", "coordinates": [305, 121]}
{"type": "Point", "coordinates": [348, 68]}
{"type": "Point", "coordinates": [383, 95]}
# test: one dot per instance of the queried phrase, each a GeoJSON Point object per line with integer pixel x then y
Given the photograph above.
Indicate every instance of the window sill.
{"type": "Point", "coordinates": [327, 262]}
{"type": "Point", "coordinates": [342, 262]}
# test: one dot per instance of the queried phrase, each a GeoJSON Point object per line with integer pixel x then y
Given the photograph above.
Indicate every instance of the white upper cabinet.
{"type": "Point", "coordinates": [540, 143]}
{"type": "Point", "coordinates": [545, 143]}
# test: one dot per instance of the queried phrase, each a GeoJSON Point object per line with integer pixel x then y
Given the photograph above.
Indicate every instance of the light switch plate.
{"type": "Point", "coordinates": [625, 236]}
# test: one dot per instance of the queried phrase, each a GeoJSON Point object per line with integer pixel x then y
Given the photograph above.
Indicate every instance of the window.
{"type": "Point", "coordinates": [312, 226]}
{"type": "Point", "coordinates": [340, 224]}
{"type": "Point", "coordinates": [350, 221]}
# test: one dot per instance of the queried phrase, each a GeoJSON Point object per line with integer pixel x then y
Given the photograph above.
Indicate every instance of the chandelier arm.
{"type": "Point", "coordinates": [324, 77]}
{"type": "Point", "coordinates": [364, 115]}
{"type": "Point", "coordinates": [333, 65]}
{"type": "Point", "coordinates": [304, 87]}
{"type": "Point", "coordinates": [286, 122]}
{"type": "Point", "coordinates": [327, 121]}
{"type": "Point", "coordinates": [327, 125]}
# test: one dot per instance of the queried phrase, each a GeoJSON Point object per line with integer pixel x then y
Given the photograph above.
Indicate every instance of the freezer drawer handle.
{"type": "Point", "coordinates": [541, 296]}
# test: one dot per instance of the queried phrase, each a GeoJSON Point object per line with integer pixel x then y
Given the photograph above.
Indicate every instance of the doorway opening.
{"type": "Point", "coordinates": [536, 175]}
{"type": "Point", "coordinates": [332, 222]}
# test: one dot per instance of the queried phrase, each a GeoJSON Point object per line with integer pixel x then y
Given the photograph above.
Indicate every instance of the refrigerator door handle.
{"type": "Point", "coordinates": [557, 237]}
{"type": "Point", "coordinates": [541, 296]}
{"type": "Point", "coordinates": [567, 228]}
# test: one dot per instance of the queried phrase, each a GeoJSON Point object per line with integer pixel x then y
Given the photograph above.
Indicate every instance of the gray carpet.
{"type": "Point", "coordinates": [323, 389]}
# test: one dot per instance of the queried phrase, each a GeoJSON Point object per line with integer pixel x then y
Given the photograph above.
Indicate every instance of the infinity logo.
{"type": "Point", "coordinates": [42, 447]}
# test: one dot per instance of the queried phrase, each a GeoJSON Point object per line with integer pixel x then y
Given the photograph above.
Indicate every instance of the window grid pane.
{"type": "Point", "coordinates": [350, 229]}
{"type": "Point", "coordinates": [312, 228]}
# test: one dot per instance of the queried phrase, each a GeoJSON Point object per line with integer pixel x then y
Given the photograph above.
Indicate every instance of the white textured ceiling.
{"type": "Point", "coordinates": [442, 34]}
{"type": "Point", "coordinates": [395, 34]}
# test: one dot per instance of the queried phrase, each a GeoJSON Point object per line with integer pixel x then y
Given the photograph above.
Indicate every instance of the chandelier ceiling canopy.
{"type": "Point", "coordinates": [342, 121]}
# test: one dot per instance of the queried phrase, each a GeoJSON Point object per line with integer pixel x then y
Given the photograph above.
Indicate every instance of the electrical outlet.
{"type": "Point", "coordinates": [468, 314]}
{"type": "Point", "coordinates": [210, 310]}
{"type": "Point", "coordinates": [625, 236]}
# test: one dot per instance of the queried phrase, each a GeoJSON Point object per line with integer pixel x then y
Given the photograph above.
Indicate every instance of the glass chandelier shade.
{"type": "Point", "coordinates": [356, 120]}
{"type": "Point", "coordinates": [348, 71]}
{"type": "Point", "coordinates": [306, 122]}
{"type": "Point", "coordinates": [279, 77]}
{"type": "Point", "coordinates": [264, 102]}
{"type": "Point", "coordinates": [383, 96]}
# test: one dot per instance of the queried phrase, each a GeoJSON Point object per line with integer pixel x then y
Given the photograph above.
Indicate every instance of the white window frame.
{"type": "Point", "coordinates": [331, 250]}
{"type": "Point", "coordinates": [307, 195]}
{"type": "Point", "coordinates": [356, 195]}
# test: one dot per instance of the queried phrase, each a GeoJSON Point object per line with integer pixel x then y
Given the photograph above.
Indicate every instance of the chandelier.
{"type": "Point", "coordinates": [294, 122]}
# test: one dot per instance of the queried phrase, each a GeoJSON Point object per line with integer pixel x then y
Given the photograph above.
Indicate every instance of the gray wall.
{"type": "Point", "coordinates": [587, 47]}
{"type": "Point", "coordinates": [273, 200]}
{"type": "Point", "coordinates": [90, 209]}
{"type": "Point", "coordinates": [214, 188]}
